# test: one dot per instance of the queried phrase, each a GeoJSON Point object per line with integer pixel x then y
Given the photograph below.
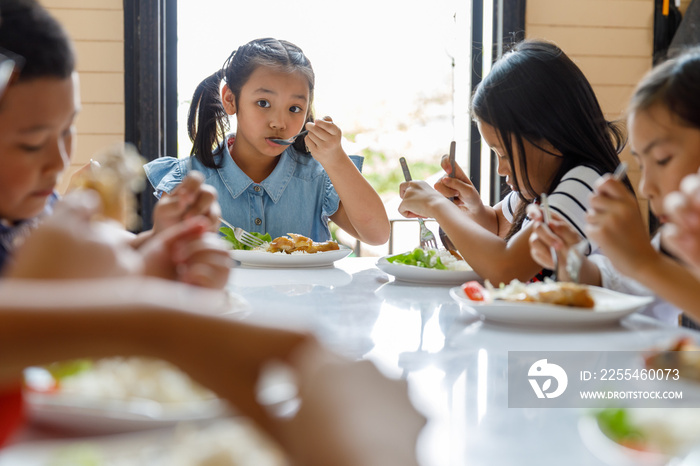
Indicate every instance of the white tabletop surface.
{"type": "Point", "coordinates": [456, 364]}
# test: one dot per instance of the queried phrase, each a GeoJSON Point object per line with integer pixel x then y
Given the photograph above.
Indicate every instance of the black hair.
{"type": "Point", "coordinates": [536, 93]}
{"type": "Point", "coordinates": [207, 121]}
{"type": "Point", "coordinates": [674, 84]}
{"type": "Point", "coordinates": [27, 29]}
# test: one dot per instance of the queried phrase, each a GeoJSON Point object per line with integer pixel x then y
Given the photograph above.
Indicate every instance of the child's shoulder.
{"type": "Point", "coordinates": [165, 173]}
{"type": "Point", "coordinates": [584, 174]}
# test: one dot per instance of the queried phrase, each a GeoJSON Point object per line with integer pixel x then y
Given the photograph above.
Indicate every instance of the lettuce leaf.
{"type": "Point", "coordinates": [228, 236]}
{"type": "Point", "coordinates": [426, 258]}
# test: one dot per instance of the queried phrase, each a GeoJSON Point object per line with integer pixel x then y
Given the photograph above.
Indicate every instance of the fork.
{"type": "Point", "coordinates": [547, 219]}
{"type": "Point", "coordinates": [427, 238]}
{"type": "Point", "coordinates": [243, 236]}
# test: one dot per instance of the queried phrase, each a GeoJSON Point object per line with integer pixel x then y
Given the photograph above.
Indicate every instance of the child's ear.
{"type": "Point", "coordinates": [228, 99]}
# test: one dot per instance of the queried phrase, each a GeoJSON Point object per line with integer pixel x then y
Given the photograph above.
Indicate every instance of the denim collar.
{"type": "Point", "coordinates": [237, 182]}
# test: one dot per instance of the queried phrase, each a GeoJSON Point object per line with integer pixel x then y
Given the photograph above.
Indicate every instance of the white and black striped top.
{"type": "Point", "coordinates": [570, 199]}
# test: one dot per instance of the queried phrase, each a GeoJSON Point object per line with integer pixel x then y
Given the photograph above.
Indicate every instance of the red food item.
{"type": "Point", "coordinates": [11, 412]}
{"type": "Point", "coordinates": [474, 291]}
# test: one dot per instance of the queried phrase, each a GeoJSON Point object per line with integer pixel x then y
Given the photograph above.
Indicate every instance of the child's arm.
{"type": "Point", "coordinates": [466, 196]}
{"type": "Point", "coordinates": [616, 224]}
{"type": "Point", "coordinates": [223, 355]}
{"type": "Point", "coordinates": [361, 211]}
{"type": "Point", "coordinates": [485, 250]}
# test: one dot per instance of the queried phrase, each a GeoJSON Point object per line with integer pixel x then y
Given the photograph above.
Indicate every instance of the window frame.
{"type": "Point", "coordinates": [150, 85]}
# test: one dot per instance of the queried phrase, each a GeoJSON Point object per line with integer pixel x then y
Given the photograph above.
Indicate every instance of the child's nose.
{"type": "Point", "coordinates": [59, 155]}
{"type": "Point", "coordinates": [503, 167]}
{"type": "Point", "coordinates": [278, 120]}
{"type": "Point", "coordinates": [647, 185]}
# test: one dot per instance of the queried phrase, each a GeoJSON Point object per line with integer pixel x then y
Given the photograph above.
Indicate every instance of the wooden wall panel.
{"type": "Point", "coordinates": [610, 40]}
{"type": "Point", "coordinates": [97, 30]}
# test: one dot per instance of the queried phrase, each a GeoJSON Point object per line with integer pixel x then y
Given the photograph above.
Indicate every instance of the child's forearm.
{"type": "Point", "coordinates": [363, 211]}
{"type": "Point", "coordinates": [590, 273]}
{"type": "Point", "coordinates": [672, 282]}
{"type": "Point", "coordinates": [33, 336]}
{"type": "Point", "coordinates": [487, 253]}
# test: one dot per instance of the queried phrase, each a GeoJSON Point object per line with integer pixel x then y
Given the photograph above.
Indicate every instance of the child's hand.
{"type": "Point", "coordinates": [682, 234]}
{"type": "Point", "coordinates": [615, 223]}
{"type": "Point", "coordinates": [188, 253]}
{"type": "Point", "coordinates": [558, 235]}
{"type": "Point", "coordinates": [419, 199]}
{"type": "Point", "coordinates": [323, 140]}
{"type": "Point", "coordinates": [190, 198]}
{"type": "Point", "coordinates": [460, 187]}
{"type": "Point", "coordinates": [70, 245]}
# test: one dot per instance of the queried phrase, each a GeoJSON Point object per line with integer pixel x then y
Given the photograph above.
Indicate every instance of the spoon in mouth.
{"type": "Point", "coordinates": [286, 142]}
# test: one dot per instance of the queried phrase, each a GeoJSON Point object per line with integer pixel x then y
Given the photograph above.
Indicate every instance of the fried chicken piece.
{"type": "Point", "coordinates": [296, 242]}
{"type": "Point", "coordinates": [567, 294]}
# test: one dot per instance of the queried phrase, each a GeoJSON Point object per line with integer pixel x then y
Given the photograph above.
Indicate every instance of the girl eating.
{"type": "Point", "coordinates": [538, 113]}
{"type": "Point", "coordinates": [664, 134]}
{"type": "Point", "coordinates": [265, 186]}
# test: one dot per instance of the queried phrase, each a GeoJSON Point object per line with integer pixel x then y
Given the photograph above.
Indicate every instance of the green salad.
{"type": "Point", "coordinates": [617, 425]}
{"type": "Point", "coordinates": [426, 258]}
{"type": "Point", "coordinates": [228, 236]}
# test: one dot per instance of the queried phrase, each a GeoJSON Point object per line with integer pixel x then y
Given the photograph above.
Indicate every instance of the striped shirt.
{"type": "Point", "coordinates": [570, 199]}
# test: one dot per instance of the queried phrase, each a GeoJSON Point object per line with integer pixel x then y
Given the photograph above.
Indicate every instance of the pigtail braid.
{"type": "Point", "coordinates": [207, 121]}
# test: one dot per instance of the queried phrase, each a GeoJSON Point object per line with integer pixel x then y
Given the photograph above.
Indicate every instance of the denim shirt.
{"type": "Point", "coordinates": [297, 197]}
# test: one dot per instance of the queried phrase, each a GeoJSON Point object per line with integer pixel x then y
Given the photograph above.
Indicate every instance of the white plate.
{"type": "Point", "coordinates": [82, 415]}
{"type": "Point", "coordinates": [422, 275]}
{"type": "Point", "coordinates": [268, 259]}
{"type": "Point", "coordinates": [235, 440]}
{"type": "Point", "coordinates": [611, 452]}
{"type": "Point", "coordinates": [610, 306]}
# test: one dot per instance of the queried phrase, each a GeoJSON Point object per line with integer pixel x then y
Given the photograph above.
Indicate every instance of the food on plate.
{"type": "Point", "coordinates": [120, 379]}
{"type": "Point", "coordinates": [294, 243]}
{"type": "Point", "coordinates": [116, 175]}
{"type": "Point", "coordinates": [475, 291]}
{"type": "Point", "coordinates": [669, 432]}
{"type": "Point", "coordinates": [291, 244]}
{"type": "Point", "coordinates": [547, 292]}
{"type": "Point", "coordinates": [440, 259]}
{"type": "Point", "coordinates": [683, 355]}
{"type": "Point", "coordinates": [224, 442]}
{"type": "Point", "coordinates": [229, 236]}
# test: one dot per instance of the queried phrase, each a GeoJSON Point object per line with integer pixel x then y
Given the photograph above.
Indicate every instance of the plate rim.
{"type": "Point", "coordinates": [272, 259]}
{"type": "Point", "coordinates": [75, 413]}
{"type": "Point", "coordinates": [545, 311]}
{"type": "Point", "coordinates": [439, 277]}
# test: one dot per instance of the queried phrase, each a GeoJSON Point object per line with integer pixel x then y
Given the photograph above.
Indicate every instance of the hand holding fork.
{"type": "Point", "coordinates": [426, 237]}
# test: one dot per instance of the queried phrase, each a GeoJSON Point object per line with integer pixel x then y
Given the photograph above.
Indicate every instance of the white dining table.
{"type": "Point", "coordinates": [455, 363]}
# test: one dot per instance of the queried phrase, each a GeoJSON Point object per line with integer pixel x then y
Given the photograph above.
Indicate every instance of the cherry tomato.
{"type": "Point", "coordinates": [474, 291]}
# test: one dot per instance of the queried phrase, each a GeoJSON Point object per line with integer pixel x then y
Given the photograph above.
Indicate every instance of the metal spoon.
{"type": "Point", "coordinates": [286, 142]}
